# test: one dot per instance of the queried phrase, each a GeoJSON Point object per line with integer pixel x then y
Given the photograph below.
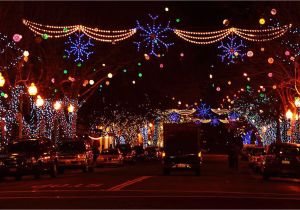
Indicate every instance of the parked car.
{"type": "Point", "coordinates": [281, 159]}
{"type": "Point", "coordinates": [110, 157]}
{"type": "Point", "coordinates": [127, 152]}
{"type": "Point", "coordinates": [256, 157]}
{"type": "Point", "coordinates": [151, 153]}
{"type": "Point", "coordinates": [28, 157]}
{"type": "Point", "coordinates": [75, 154]}
{"type": "Point", "coordinates": [139, 152]}
{"type": "Point", "coordinates": [247, 148]}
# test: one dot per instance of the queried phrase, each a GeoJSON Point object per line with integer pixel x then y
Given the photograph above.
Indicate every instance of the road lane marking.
{"type": "Point", "coordinates": [127, 183]}
{"type": "Point", "coordinates": [147, 196]}
{"type": "Point", "coordinates": [36, 187]}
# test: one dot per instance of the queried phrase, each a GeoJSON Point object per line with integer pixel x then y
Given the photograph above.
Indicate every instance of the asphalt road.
{"type": "Point", "coordinates": [143, 186]}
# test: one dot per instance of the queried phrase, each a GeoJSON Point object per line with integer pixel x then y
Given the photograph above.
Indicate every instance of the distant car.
{"type": "Point", "coordinates": [127, 152]}
{"type": "Point", "coordinates": [255, 158]}
{"type": "Point", "coordinates": [281, 159]}
{"type": "Point", "coordinates": [139, 152]}
{"type": "Point", "coordinates": [75, 154]}
{"type": "Point", "coordinates": [29, 157]}
{"type": "Point", "coordinates": [151, 153]}
{"type": "Point", "coordinates": [247, 148]}
{"type": "Point", "coordinates": [110, 157]}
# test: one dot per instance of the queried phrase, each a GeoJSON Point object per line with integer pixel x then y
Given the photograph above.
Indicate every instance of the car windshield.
{"type": "Point", "coordinates": [110, 152]}
{"type": "Point", "coordinates": [23, 146]}
{"type": "Point", "coordinates": [72, 146]}
{"type": "Point", "coordinates": [284, 150]}
{"type": "Point", "coordinates": [257, 151]}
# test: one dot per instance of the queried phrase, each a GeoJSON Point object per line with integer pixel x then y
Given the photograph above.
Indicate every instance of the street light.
{"type": "Point", "coordinates": [2, 80]}
{"type": "Point", "coordinates": [289, 114]}
{"type": "Point", "coordinates": [70, 108]}
{"type": "Point", "coordinates": [39, 101]}
{"type": "Point", "coordinates": [57, 105]}
{"type": "Point", "coordinates": [32, 90]}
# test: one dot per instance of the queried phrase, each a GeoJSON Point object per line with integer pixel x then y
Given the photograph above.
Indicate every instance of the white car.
{"type": "Point", "coordinates": [110, 157]}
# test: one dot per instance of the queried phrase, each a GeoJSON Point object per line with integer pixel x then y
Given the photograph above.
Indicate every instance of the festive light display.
{"type": "Point", "coordinates": [8, 45]}
{"type": "Point", "coordinates": [94, 33]}
{"type": "Point", "coordinates": [79, 47]}
{"type": "Point", "coordinates": [232, 51]}
{"type": "Point", "coordinates": [153, 37]}
{"type": "Point", "coordinates": [203, 111]}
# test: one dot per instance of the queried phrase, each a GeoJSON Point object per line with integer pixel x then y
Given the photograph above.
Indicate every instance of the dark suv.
{"type": "Point", "coordinates": [75, 154]}
{"type": "Point", "coordinates": [28, 156]}
{"type": "Point", "coordinates": [282, 159]}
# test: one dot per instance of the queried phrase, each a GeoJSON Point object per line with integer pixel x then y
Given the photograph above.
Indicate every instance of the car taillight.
{"type": "Point", "coordinates": [81, 156]}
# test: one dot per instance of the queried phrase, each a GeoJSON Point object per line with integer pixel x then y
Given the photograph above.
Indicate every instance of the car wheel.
{"type": "Point", "coordinates": [53, 171]}
{"type": "Point", "coordinates": [18, 177]}
{"type": "Point", "coordinates": [198, 172]}
{"type": "Point", "coordinates": [266, 176]}
{"type": "Point", "coordinates": [61, 170]}
{"type": "Point", "coordinates": [85, 169]}
{"type": "Point", "coordinates": [166, 171]}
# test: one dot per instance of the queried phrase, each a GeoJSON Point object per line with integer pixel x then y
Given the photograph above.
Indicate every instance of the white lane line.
{"type": "Point", "coordinates": [151, 196]}
{"type": "Point", "coordinates": [127, 183]}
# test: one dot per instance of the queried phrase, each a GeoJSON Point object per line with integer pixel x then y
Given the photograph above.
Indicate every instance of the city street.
{"type": "Point", "coordinates": [143, 186]}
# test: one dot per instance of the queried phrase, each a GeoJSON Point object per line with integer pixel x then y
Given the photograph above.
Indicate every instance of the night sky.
{"type": "Point", "coordinates": [185, 79]}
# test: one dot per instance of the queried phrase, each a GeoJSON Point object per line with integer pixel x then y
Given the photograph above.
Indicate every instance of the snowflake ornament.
{"type": "Point", "coordinates": [174, 117]}
{"type": "Point", "coordinates": [203, 111]}
{"type": "Point", "coordinates": [79, 47]}
{"type": "Point", "coordinates": [232, 51]}
{"type": "Point", "coordinates": [153, 37]}
{"type": "Point", "coordinates": [214, 121]}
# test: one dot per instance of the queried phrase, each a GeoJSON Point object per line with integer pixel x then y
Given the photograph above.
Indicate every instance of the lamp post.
{"type": "Point", "coordinates": [297, 104]}
{"type": "Point", "coordinates": [32, 90]}
{"type": "Point", "coordinates": [39, 101]}
{"type": "Point", "coordinates": [289, 116]}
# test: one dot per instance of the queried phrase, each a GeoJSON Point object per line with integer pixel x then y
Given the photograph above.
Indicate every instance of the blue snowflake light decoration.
{"type": "Point", "coordinates": [233, 116]}
{"type": "Point", "coordinates": [214, 121]}
{"type": "Point", "coordinates": [79, 47]}
{"type": "Point", "coordinates": [174, 117]}
{"type": "Point", "coordinates": [203, 111]}
{"type": "Point", "coordinates": [153, 37]}
{"type": "Point", "coordinates": [232, 51]}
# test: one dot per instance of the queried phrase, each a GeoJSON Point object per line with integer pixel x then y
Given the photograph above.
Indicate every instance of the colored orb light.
{"type": "Point", "coordinates": [2, 80]}
{"type": "Point", "coordinates": [262, 49]}
{"type": "Point", "coordinates": [110, 75]}
{"type": "Point", "coordinates": [147, 57]}
{"type": "Point", "coordinates": [32, 90]}
{"type": "Point", "coordinates": [273, 11]}
{"type": "Point", "coordinates": [65, 71]}
{"type": "Point", "coordinates": [65, 29]}
{"type": "Point", "coordinates": [140, 75]}
{"type": "Point", "coordinates": [45, 36]}
{"type": "Point", "coordinates": [161, 65]}
{"type": "Point", "coordinates": [287, 53]}
{"type": "Point", "coordinates": [91, 82]}
{"type": "Point", "coordinates": [167, 9]}
{"type": "Point", "coordinates": [181, 54]}
{"type": "Point", "coordinates": [17, 37]}
{"type": "Point", "coordinates": [53, 80]}
{"type": "Point", "coordinates": [270, 74]}
{"type": "Point", "coordinates": [250, 54]}
{"type": "Point", "coordinates": [245, 74]}
{"type": "Point", "coordinates": [210, 76]}
{"type": "Point", "coordinates": [71, 108]}
{"type": "Point", "coordinates": [139, 64]}
{"type": "Point", "coordinates": [270, 60]}
{"type": "Point", "coordinates": [133, 82]}
{"type": "Point", "coordinates": [229, 82]}
{"type": "Point", "coordinates": [218, 89]}
{"type": "Point", "coordinates": [225, 22]}
{"type": "Point", "coordinates": [107, 83]}
{"type": "Point", "coordinates": [39, 101]}
{"type": "Point", "coordinates": [5, 95]}
{"type": "Point", "coordinates": [26, 53]}
{"type": "Point", "coordinates": [289, 114]}
{"type": "Point", "coordinates": [178, 20]}
{"type": "Point", "coordinates": [79, 64]}
{"type": "Point", "coordinates": [248, 79]}
{"type": "Point", "coordinates": [262, 21]}
{"type": "Point", "coordinates": [292, 58]}
{"type": "Point", "coordinates": [274, 87]}
{"type": "Point", "coordinates": [179, 102]}
{"type": "Point", "coordinates": [103, 64]}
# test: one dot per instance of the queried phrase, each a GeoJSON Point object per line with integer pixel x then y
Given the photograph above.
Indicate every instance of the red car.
{"type": "Point", "coordinates": [281, 159]}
